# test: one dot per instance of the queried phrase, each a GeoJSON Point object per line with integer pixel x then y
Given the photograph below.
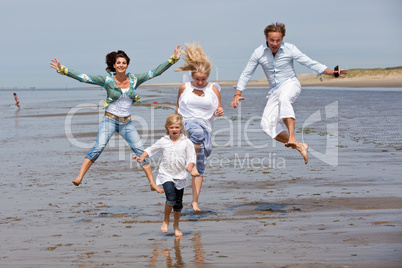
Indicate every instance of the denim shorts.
{"type": "Point", "coordinates": [107, 128]}
{"type": "Point", "coordinates": [174, 197]}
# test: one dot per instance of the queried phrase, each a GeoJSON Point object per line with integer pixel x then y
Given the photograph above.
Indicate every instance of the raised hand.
{"type": "Point", "coordinates": [338, 72]}
{"type": "Point", "coordinates": [343, 71]}
{"type": "Point", "coordinates": [178, 50]}
{"type": "Point", "coordinates": [55, 64]}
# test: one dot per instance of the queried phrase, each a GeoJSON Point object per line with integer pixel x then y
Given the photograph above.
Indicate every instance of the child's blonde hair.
{"type": "Point", "coordinates": [174, 119]}
{"type": "Point", "coordinates": [196, 60]}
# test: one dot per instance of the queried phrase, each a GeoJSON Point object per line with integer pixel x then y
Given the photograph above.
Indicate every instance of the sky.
{"type": "Point", "coordinates": [79, 33]}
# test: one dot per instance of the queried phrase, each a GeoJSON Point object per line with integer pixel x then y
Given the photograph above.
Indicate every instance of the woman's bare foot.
{"type": "Point", "coordinates": [156, 188]}
{"type": "Point", "coordinates": [303, 149]}
{"type": "Point", "coordinates": [76, 182]}
{"type": "Point", "coordinates": [194, 172]}
{"type": "Point", "coordinates": [165, 226]}
{"type": "Point", "coordinates": [195, 207]}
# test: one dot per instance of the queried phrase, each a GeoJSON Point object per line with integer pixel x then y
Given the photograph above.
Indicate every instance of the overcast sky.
{"type": "Point", "coordinates": [351, 33]}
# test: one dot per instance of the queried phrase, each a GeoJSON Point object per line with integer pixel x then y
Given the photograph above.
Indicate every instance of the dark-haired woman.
{"type": "Point", "coordinates": [120, 90]}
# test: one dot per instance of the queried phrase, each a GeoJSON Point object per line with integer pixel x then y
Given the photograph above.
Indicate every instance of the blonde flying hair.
{"type": "Point", "coordinates": [196, 60]}
{"type": "Point", "coordinates": [174, 119]}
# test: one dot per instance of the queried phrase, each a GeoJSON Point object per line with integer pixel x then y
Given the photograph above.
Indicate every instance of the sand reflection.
{"type": "Point", "coordinates": [173, 256]}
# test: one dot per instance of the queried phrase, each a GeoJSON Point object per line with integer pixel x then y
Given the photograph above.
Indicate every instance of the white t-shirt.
{"type": "Point", "coordinates": [175, 158]}
{"type": "Point", "coordinates": [122, 106]}
{"type": "Point", "coordinates": [202, 108]}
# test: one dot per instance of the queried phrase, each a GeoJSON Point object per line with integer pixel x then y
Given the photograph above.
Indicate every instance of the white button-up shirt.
{"type": "Point", "coordinates": [175, 158]}
{"type": "Point", "coordinates": [277, 69]}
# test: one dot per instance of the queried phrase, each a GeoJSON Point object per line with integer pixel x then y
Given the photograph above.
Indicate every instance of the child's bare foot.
{"type": "Point", "coordinates": [177, 232]}
{"type": "Point", "coordinates": [165, 226]}
{"type": "Point", "coordinates": [195, 207]}
{"type": "Point", "coordinates": [194, 172]}
{"type": "Point", "coordinates": [156, 188]}
{"type": "Point", "coordinates": [76, 182]}
{"type": "Point", "coordinates": [303, 149]}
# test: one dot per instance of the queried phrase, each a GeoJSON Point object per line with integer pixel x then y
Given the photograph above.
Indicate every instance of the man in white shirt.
{"type": "Point", "coordinates": [276, 58]}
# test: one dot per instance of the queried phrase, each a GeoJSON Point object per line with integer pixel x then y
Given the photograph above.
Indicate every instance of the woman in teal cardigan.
{"type": "Point", "coordinates": [120, 95]}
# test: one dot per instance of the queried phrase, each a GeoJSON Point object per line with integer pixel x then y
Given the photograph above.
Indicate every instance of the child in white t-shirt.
{"type": "Point", "coordinates": [178, 159]}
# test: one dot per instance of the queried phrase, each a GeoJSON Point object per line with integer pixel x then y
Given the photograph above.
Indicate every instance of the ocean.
{"type": "Point", "coordinates": [261, 206]}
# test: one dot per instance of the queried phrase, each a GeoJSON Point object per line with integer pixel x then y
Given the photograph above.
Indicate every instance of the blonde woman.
{"type": "Point", "coordinates": [198, 101]}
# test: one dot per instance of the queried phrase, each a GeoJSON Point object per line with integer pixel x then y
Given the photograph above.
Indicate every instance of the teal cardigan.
{"type": "Point", "coordinates": [113, 92]}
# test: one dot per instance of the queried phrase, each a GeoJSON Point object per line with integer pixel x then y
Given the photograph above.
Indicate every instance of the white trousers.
{"type": "Point", "coordinates": [279, 106]}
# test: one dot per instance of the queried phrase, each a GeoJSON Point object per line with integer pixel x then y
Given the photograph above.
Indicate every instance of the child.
{"type": "Point", "coordinates": [17, 101]}
{"type": "Point", "coordinates": [178, 156]}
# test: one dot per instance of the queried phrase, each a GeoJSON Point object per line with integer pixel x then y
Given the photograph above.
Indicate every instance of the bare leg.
{"type": "Point", "coordinates": [290, 140]}
{"type": "Point", "coordinates": [283, 137]}
{"type": "Point", "coordinates": [194, 172]}
{"type": "Point", "coordinates": [148, 172]}
{"type": "Point", "coordinates": [290, 124]}
{"type": "Point", "coordinates": [84, 168]}
{"type": "Point", "coordinates": [196, 187]}
{"type": "Point", "coordinates": [177, 231]}
{"type": "Point", "coordinates": [165, 223]}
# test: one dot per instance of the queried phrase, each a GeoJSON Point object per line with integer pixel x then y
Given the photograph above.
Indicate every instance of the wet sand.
{"type": "Point", "coordinates": [262, 207]}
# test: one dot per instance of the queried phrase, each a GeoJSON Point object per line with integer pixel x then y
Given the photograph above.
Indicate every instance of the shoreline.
{"type": "Point", "coordinates": [310, 80]}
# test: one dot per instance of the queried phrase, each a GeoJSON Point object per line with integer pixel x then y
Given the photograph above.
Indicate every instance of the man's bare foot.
{"type": "Point", "coordinates": [76, 182]}
{"type": "Point", "coordinates": [291, 143]}
{"type": "Point", "coordinates": [194, 172]}
{"type": "Point", "coordinates": [303, 149]}
{"type": "Point", "coordinates": [177, 232]}
{"type": "Point", "coordinates": [165, 226]}
{"type": "Point", "coordinates": [155, 187]}
{"type": "Point", "coordinates": [195, 207]}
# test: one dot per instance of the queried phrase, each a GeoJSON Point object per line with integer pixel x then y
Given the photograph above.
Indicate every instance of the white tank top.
{"type": "Point", "coordinates": [192, 106]}
{"type": "Point", "coordinates": [121, 107]}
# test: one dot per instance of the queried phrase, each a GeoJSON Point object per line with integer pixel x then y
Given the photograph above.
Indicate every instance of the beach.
{"type": "Point", "coordinates": [261, 206]}
{"type": "Point", "coordinates": [392, 80]}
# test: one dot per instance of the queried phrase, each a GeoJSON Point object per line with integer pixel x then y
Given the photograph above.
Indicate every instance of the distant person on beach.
{"type": "Point", "coordinates": [178, 158]}
{"type": "Point", "coordinates": [276, 59]}
{"type": "Point", "coordinates": [198, 101]}
{"type": "Point", "coordinates": [17, 101]}
{"type": "Point", "coordinates": [120, 89]}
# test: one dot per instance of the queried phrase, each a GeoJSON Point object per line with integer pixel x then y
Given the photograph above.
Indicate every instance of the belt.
{"type": "Point", "coordinates": [121, 119]}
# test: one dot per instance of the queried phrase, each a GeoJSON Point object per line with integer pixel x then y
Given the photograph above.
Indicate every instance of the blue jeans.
{"type": "Point", "coordinates": [174, 197]}
{"type": "Point", "coordinates": [107, 128]}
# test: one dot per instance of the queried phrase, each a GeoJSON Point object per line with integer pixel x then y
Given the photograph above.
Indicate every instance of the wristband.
{"type": "Point", "coordinates": [173, 59]}
{"type": "Point", "coordinates": [63, 70]}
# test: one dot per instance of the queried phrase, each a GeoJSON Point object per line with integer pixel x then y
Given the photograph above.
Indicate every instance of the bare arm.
{"type": "Point", "coordinates": [219, 111]}
{"type": "Point", "coordinates": [181, 89]}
